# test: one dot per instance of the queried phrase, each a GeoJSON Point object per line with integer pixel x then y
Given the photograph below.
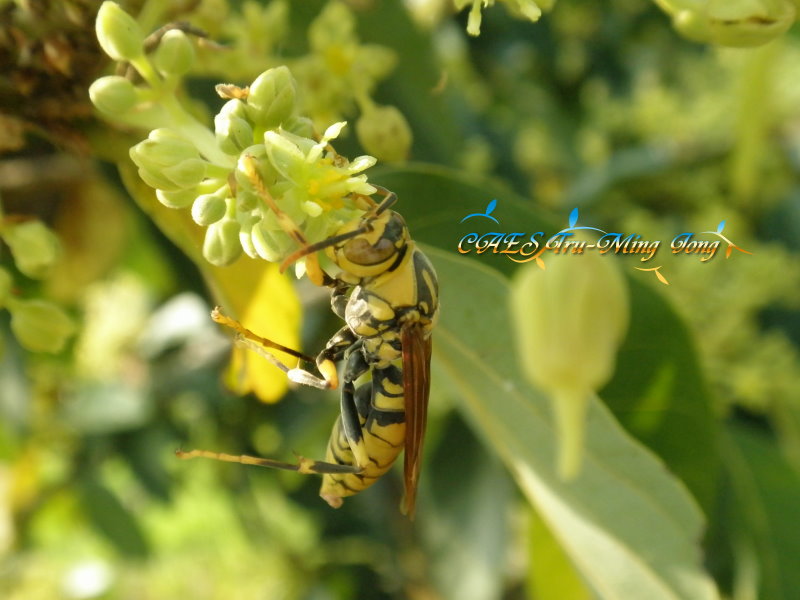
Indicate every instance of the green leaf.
{"type": "Point", "coordinates": [551, 575]}
{"type": "Point", "coordinates": [629, 526]}
{"type": "Point", "coordinates": [659, 394]}
{"type": "Point", "coordinates": [663, 400]}
{"type": "Point", "coordinates": [110, 517]}
{"type": "Point", "coordinates": [767, 493]}
{"type": "Point", "coordinates": [464, 521]}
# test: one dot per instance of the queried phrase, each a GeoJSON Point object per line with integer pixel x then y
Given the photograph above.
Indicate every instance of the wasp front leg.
{"type": "Point", "coordinates": [326, 360]}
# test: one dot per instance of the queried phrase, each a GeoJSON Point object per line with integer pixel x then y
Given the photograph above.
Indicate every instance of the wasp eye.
{"type": "Point", "coordinates": [361, 252]}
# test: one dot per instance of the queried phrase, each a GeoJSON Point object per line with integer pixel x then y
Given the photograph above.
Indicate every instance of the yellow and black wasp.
{"type": "Point", "coordinates": [386, 291]}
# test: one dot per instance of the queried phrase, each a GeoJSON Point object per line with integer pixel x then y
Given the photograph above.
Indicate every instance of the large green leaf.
{"type": "Point", "coordinates": [464, 518]}
{"type": "Point", "coordinates": [767, 494]}
{"type": "Point", "coordinates": [658, 392]}
{"type": "Point", "coordinates": [627, 523]}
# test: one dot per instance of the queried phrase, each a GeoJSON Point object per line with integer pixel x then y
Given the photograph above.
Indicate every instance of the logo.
{"type": "Point", "coordinates": [522, 247]}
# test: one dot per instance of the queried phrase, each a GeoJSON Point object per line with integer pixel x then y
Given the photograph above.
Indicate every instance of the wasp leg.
{"type": "Point", "coordinates": [303, 465]}
{"type": "Point", "coordinates": [326, 360]}
{"type": "Point", "coordinates": [352, 424]}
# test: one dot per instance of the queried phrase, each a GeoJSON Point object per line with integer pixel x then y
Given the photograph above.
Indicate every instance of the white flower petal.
{"type": "Point", "coordinates": [361, 163]}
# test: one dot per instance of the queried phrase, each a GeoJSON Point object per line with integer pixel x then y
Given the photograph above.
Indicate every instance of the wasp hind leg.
{"type": "Point", "coordinates": [303, 465]}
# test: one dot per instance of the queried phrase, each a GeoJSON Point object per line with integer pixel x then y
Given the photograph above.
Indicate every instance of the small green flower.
{"type": "Point", "coordinates": [233, 129]}
{"type": "Point", "coordinates": [174, 55]}
{"type": "Point", "coordinates": [272, 97]}
{"type": "Point", "coordinates": [118, 33]}
{"type": "Point", "coordinates": [113, 95]}
{"type": "Point", "coordinates": [176, 199]}
{"type": "Point", "coordinates": [34, 246]}
{"type": "Point", "coordinates": [736, 23]}
{"type": "Point", "coordinates": [530, 9]}
{"type": "Point", "coordinates": [572, 318]}
{"type": "Point", "coordinates": [221, 245]}
{"type": "Point", "coordinates": [384, 132]}
{"type": "Point", "coordinates": [208, 209]}
{"type": "Point", "coordinates": [168, 162]}
{"type": "Point", "coordinates": [39, 325]}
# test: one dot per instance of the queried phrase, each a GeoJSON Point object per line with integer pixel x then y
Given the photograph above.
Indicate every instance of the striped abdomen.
{"type": "Point", "coordinates": [381, 415]}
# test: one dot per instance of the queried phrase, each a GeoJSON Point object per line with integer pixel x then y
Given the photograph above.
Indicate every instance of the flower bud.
{"type": "Point", "coordinates": [221, 244]}
{"type": "Point", "coordinates": [234, 132]}
{"type": "Point", "coordinates": [39, 325]}
{"type": "Point", "coordinates": [174, 54]}
{"type": "Point", "coordinates": [179, 199]}
{"type": "Point", "coordinates": [168, 162]}
{"type": "Point", "coordinates": [113, 95]}
{"type": "Point", "coordinates": [736, 23]}
{"type": "Point", "coordinates": [162, 148]}
{"type": "Point", "coordinates": [301, 126]}
{"type": "Point", "coordinates": [384, 133]}
{"type": "Point", "coordinates": [5, 286]}
{"type": "Point", "coordinates": [118, 33]}
{"type": "Point", "coordinates": [264, 244]}
{"type": "Point", "coordinates": [186, 174]}
{"type": "Point", "coordinates": [246, 241]}
{"type": "Point", "coordinates": [272, 97]}
{"type": "Point", "coordinates": [34, 247]}
{"type": "Point", "coordinates": [208, 209]}
{"type": "Point", "coordinates": [571, 319]}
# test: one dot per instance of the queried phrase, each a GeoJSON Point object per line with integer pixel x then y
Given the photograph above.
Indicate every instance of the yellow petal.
{"type": "Point", "coordinates": [272, 310]}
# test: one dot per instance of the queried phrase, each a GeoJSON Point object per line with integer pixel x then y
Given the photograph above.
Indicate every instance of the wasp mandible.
{"type": "Point", "coordinates": [386, 291]}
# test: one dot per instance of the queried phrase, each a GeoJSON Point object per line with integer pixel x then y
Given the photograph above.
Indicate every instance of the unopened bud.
{"type": "Point", "coordinates": [246, 241]}
{"type": "Point", "coordinates": [174, 54]}
{"type": "Point", "coordinates": [163, 148]}
{"type": "Point", "coordinates": [272, 97]}
{"type": "Point", "coordinates": [221, 244]}
{"type": "Point", "coordinates": [178, 199]}
{"type": "Point", "coordinates": [264, 243]}
{"type": "Point", "coordinates": [34, 247]}
{"type": "Point", "coordinates": [736, 23]}
{"type": "Point", "coordinates": [39, 325]}
{"type": "Point", "coordinates": [384, 133]}
{"type": "Point", "coordinates": [233, 130]}
{"type": "Point", "coordinates": [168, 162]}
{"type": "Point", "coordinates": [118, 33]}
{"type": "Point", "coordinates": [113, 95]}
{"type": "Point", "coordinates": [186, 174]}
{"type": "Point", "coordinates": [300, 126]}
{"type": "Point", "coordinates": [208, 209]}
{"type": "Point", "coordinates": [571, 319]}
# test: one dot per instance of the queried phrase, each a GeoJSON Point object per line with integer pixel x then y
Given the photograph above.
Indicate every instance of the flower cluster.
{"type": "Point", "coordinates": [262, 155]}
{"type": "Point", "coordinates": [529, 9]}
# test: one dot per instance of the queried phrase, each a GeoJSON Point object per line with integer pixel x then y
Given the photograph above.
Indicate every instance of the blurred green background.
{"type": "Point", "coordinates": [599, 105]}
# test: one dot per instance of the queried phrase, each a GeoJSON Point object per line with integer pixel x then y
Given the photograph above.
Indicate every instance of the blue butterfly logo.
{"type": "Point", "coordinates": [488, 214]}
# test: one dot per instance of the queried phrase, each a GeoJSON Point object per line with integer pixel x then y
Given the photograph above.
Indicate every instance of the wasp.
{"type": "Point", "coordinates": [386, 291]}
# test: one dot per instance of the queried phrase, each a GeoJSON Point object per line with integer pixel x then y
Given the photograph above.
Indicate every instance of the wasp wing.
{"type": "Point", "coordinates": [416, 388]}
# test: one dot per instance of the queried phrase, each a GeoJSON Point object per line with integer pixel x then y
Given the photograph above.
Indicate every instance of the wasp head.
{"type": "Point", "coordinates": [378, 247]}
